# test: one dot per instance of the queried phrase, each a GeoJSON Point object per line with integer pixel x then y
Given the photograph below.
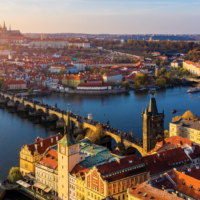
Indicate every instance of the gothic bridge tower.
{"type": "Point", "coordinates": [153, 126]}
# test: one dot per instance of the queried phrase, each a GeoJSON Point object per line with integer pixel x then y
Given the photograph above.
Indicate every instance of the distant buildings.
{"type": "Point", "coordinates": [53, 43]}
{"type": "Point", "coordinates": [174, 64]}
{"type": "Point", "coordinates": [80, 44]}
{"type": "Point", "coordinates": [15, 84]}
{"type": "Point", "coordinates": [94, 85]}
{"type": "Point", "coordinates": [156, 54]}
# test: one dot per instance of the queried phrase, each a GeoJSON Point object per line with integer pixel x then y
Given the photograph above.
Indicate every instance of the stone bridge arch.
{"type": "Point", "coordinates": [40, 111]}
{"type": "Point", "coordinates": [17, 102]}
{"type": "Point", "coordinates": [7, 98]}
{"type": "Point", "coordinates": [53, 116]}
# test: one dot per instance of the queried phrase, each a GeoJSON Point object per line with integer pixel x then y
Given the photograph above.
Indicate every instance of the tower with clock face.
{"type": "Point", "coordinates": [68, 157]}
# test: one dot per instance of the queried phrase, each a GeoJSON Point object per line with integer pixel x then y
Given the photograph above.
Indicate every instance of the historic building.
{"type": "Point", "coordinates": [53, 43]}
{"type": "Point", "coordinates": [4, 32]}
{"type": "Point", "coordinates": [46, 172]}
{"type": "Point", "coordinates": [30, 154]}
{"type": "Point", "coordinates": [186, 128]}
{"type": "Point", "coordinates": [153, 126]}
{"type": "Point", "coordinates": [74, 80]}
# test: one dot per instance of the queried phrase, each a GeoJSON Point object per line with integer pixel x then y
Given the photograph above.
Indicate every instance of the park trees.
{"type": "Point", "coordinates": [126, 84]}
{"type": "Point", "coordinates": [161, 82]}
{"type": "Point", "coordinates": [14, 174]}
{"type": "Point", "coordinates": [141, 78]}
{"type": "Point", "coordinates": [111, 81]}
{"type": "Point", "coordinates": [163, 70]}
{"type": "Point", "coordinates": [95, 70]}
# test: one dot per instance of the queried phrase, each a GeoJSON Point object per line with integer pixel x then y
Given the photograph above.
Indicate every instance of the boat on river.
{"type": "Point", "coordinates": [174, 111]}
{"type": "Point", "coordinates": [197, 89]}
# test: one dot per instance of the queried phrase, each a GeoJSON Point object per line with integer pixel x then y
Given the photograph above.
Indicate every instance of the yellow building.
{"type": "Point", "coordinates": [30, 154]}
{"type": "Point", "coordinates": [73, 80]}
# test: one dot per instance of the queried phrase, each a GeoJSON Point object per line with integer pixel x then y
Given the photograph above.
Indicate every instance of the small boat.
{"type": "Point", "coordinates": [174, 111]}
{"type": "Point", "coordinates": [194, 90]}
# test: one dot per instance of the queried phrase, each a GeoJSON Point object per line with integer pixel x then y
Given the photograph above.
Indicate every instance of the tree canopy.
{"type": "Point", "coordinates": [15, 174]}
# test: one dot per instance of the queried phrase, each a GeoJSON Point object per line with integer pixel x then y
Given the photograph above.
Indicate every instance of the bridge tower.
{"type": "Point", "coordinates": [153, 126]}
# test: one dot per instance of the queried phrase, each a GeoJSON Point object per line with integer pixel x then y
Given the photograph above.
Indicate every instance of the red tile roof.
{"type": "Point", "coordinates": [190, 187]}
{"type": "Point", "coordinates": [145, 191]}
{"type": "Point", "coordinates": [14, 82]}
{"type": "Point", "coordinates": [42, 144]}
{"type": "Point", "coordinates": [50, 159]}
{"type": "Point", "coordinates": [163, 161]}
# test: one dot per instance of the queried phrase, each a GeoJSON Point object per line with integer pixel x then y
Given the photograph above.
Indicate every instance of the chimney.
{"type": "Point", "coordinates": [41, 144]}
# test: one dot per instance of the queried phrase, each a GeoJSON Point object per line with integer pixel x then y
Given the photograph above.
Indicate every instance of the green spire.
{"type": "Point", "coordinates": [68, 138]}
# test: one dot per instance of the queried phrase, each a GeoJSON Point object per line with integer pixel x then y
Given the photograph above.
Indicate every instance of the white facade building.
{"type": "Point", "coordinates": [116, 76]}
{"type": "Point", "coordinates": [79, 65]}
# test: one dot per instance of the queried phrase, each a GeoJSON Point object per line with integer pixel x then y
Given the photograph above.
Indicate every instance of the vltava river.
{"type": "Point", "coordinates": [122, 110]}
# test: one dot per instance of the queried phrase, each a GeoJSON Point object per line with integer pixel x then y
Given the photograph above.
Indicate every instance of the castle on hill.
{"type": "Point", "coordinates": [4, 32]}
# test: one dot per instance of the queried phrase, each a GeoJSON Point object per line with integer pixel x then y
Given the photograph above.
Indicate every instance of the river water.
{"type": "Point", "coordinates": [122, 110]}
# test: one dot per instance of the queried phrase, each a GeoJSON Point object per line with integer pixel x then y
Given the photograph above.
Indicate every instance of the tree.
{"type": "Point", "coordinates": [80, 137]}
{"type": "Point", "coordinates": [161, 82]}
{"type": "Point", "coordinates": [166, 134]}
{"type": "Point", "coordinates": [137, 85]}
{"type": "Point", "coordinates": [63, 71]}
{"type": "Point", "coordinates": [111, 81]}
{"type": "Point", "coordinates": [141, 78]}
{"type": "Point", "coordinates": [163, 70]}
{"type": "Point", "coordinates": [30, 90]}
{"type": "Point", "coordinates": [119, 83]}
{"type": "Point", "coordinates": [126, 85]}
{"type": "Point", "coordinates": [145, 84]}
{"type": "Point", "coordinates": [156, 73]}
{"type": "Point", "coordinates": [94, 69]}
{"type": "Point", "coordinates": [15, 174]}
{"type": "Point", "coordinates": [169, 75]}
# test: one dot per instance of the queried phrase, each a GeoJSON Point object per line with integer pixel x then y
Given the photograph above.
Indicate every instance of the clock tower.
{"type": "Point", "coordinates": [68, 157]}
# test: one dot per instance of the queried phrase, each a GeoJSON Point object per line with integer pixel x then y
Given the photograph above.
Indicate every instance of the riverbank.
{"type": "Point", "coordinates": [93, 92]}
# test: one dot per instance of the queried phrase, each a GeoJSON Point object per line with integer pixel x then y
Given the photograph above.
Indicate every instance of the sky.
{"type": "Point", "coordinates": [102, 16]}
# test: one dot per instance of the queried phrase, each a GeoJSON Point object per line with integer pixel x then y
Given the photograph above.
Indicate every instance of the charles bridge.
{"type": "Point", "coordinates": [54, 113]}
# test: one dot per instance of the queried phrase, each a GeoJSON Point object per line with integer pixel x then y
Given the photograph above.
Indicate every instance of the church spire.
{"type": "Point", "coordinates": [68, 138]}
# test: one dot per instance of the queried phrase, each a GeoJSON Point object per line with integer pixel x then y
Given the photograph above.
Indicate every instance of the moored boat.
{"type": "Point", "coordinates": [194, 90]}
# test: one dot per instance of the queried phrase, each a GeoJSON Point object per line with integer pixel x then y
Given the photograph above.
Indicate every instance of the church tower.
{"type": "Point", "coordinates": [153, 126]}
{"type": "Point", "coordinates": [68, 157]}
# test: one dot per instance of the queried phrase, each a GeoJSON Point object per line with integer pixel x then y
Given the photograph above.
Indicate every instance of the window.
{"type": "Point", "coordinates": [118, 197]}
{"type": "Point", "coordinates": [88, 193]}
